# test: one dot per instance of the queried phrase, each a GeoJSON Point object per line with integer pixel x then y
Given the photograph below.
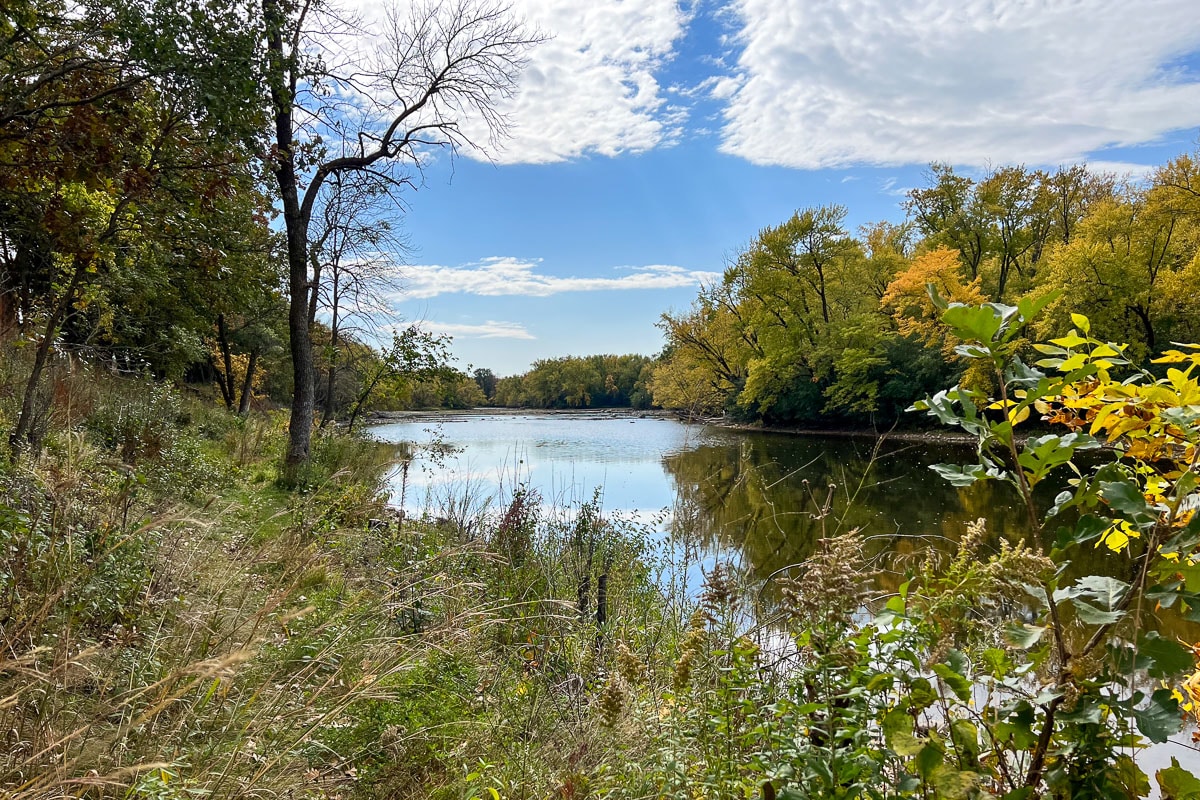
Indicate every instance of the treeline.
{"type": "Point", "coordinates": [812, 324]}
{"type": "Point", "coordinates": [599, 381]}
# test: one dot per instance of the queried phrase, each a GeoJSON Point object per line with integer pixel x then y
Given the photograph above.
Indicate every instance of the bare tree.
{"type": "Point", "coordinates": [354, 256]}
{"type": "Point", "coordinates": [439, 65]}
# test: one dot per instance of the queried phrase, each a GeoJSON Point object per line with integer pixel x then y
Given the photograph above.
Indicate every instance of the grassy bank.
{"type": "Point", "coordinates": [175, 624]}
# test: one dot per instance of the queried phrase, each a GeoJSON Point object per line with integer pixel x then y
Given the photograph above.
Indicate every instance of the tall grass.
{"type": "Point", "coordinates": [177, 624]}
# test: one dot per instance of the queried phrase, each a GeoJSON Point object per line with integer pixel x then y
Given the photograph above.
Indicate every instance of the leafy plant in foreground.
{"type": "Point", "coordinates": [1102, 681]}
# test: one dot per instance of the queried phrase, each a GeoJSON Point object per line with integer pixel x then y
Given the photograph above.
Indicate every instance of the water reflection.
{"type": "Point", "coordinates": [762, 500]}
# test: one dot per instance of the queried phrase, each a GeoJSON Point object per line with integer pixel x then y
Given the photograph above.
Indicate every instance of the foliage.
{"type": "Point", "coordinates": [1087, 634]}
{"type": "Point", "coordinates": [599, 381]}
{"type": "Point", "coordinates": [911, 305]}
{"type": "Point", "coordinates": [996, 673]}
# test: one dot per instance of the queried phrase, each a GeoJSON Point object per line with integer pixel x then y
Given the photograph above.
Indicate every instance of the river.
{"type": "Point", "coordinates": [759, 499]}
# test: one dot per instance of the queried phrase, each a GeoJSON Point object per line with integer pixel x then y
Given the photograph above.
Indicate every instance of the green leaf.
{"type": "Point", "coordinates": [921, 695]}
{"type": "Point", "coordinates": [1124, 496]}
{"type": "Point", "coordinates": [1131, 776]}
{"type": "Point", "coordinates": [1177, 783]}
{"type": "Point", "coordinates": [1094, 616]}
{"type": "Point", "coordinates": [935, 295]}
{"type": "Point", "coordinates": [1023, 636]}
{"type": "Point", "coordinates": [898, 733]}
{"type": "Point", "coordinates": [1163, 658]}
{"type": "Point", "coordinates": [965, 736]}
{"type": "Point", "coordinates": [960, 475]}
{"type": "Point", "coordinates": [929, 759]}
{"type": "Point", "coordinates": [1024, 793]}
{"type": "Point", "coordinates": [1108, 591]}
{"type": "Point", "coordinates": [1030, 307]}
{"type": "Point", "coordinates": [973, 323]}
{"type": "Point", "coordinates": [1087, 529]}
{"type": "Point", "coordinates": [957, 683]}
{"type": "Point", "coordinates": [953, 784]}
{"type": "Point", "coordinates": [1160, 718]}
{"type": "Point", "coordinates": [1085, 713]}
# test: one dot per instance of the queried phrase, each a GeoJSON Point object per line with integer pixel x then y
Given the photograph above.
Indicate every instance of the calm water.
{"type": "Point", "coordinates": [758, 499]}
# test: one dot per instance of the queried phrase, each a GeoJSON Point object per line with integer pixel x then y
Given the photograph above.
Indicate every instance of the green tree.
{"type": "Point", "coordinates": [486, 380]}
{"type": "Point", "coordinates": [1131, 267]}
{"type": "Point", "coordinates": [818, 333]}
{"type": "Point", "coordinates": [441, 64]}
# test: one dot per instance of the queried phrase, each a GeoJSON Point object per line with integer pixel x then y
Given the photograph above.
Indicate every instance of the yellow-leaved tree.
{"type": "Point", "coordinates": [908, 301]}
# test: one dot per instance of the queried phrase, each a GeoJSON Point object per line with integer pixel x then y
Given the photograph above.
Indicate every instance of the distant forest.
{"type": "Point", "coordinates": [812, 324]}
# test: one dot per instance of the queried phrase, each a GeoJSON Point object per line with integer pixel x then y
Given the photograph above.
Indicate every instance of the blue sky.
{"type": "Point", "coordinates": [651, 139]}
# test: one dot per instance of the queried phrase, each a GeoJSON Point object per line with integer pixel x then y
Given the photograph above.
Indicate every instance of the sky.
{"type": "Point", "coordinates": [650, 140]}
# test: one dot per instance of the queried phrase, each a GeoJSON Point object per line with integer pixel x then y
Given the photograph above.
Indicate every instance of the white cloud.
{"type": "Point", "coordinates": [1123, 169]}
{"type": "Point", "coordinates": [487, 330]}
{"type": "Point", "coordinates": [838, 82]}
{"type": "Point", "coordinates": [592, 87]}
{"type": "Point", "coordinates": [499, 276]}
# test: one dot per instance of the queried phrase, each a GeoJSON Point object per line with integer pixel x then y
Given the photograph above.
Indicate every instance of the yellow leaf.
{"type": "Point", "coordinates": [1081, 321]}
{"type": "Point", "coordinates": [1071, 340]}
{"type": "Point", "coordinates": [1074, 362]}
{"type": "Point", "coordinates": [1101, 417]}
{"type": "Point", "coordinates": [1117, 537]}
{"type": "Point", "coordinates": [1018, 415]}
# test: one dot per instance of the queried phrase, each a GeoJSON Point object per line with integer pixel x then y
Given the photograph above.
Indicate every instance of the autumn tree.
{"type": "Point", "coordinates": [820, 335]}
{"type": "Point", "coordinates": [912, 308]}
{"type": "Point", "coordinates": [437, 68]}
{"type": "Point", "coordinates": [1007, 222]}
{"type": "Point", "coordinates": [704, 365]}
{"type": "Point", "coordinates": [1132, 268]}
{"type": "Point", "coordinates": [117, 128]}
{"type": "Point", "coordinates": [948, 214]}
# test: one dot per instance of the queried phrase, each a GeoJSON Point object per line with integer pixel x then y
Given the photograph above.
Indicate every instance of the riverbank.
{"type": "Point", "coordinates": [931, 436]}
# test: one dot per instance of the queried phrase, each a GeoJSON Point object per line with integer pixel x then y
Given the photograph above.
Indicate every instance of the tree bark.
{"type": "Point", "coordinates": [22, 433]}
{"type": "Point", "coordinates": [225, 379]}
{"type": "Point", "coordinates": [247, 384]}
{"type": "Point", "coordinates": [283, 94]}
{"type": "Point", "coordinates": [331, 378]}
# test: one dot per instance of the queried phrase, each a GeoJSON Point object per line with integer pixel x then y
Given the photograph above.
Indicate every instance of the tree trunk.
{"type": "Point", "coordinates": [225, 379]}
{"type": "Point", "coordinates": [304, 384]}
{"type": "Point", "coordinates": [247, 385]}
{"type": "Point", "coordinates": [283, 93]}
{"type": "Point", "coordinates": [22, 434]}
{"type": "Point", "coordinates": [331, 378]}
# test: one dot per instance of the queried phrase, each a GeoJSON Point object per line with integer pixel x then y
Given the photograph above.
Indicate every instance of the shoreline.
{"type": "Point", "coordinates": [451, 415]}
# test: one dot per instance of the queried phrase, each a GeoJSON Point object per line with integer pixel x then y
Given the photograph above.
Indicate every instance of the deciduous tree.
{"type": "Point", "coordinates": [438, 66]}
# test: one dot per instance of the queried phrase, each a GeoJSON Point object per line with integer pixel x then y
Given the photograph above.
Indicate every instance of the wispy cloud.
{"type": "Point", "coordinates": [1123, 169]}
{"type": "Point", "coordinates": [487, 330]}
{"type": "Point", "coordinates": [499, 276]}
{"type": "Point", "coordinates": [840, 82]}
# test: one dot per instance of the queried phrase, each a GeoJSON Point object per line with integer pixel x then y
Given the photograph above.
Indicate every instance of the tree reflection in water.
{"type": "Point", "coordinates": [764, 500]}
